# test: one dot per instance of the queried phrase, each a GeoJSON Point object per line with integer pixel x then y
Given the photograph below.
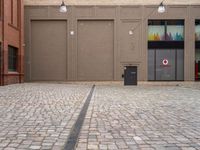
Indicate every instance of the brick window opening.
{"type": "Point", "coordinates": [12, 58]}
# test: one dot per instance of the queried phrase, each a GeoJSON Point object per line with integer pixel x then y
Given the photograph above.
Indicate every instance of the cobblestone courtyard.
{"type": "Point", "coordinates": [145, 117]}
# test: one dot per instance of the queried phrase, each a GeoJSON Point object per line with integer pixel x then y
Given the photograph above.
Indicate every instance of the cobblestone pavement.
{"type": "Point", "coordinates": [145, 117]}
{"type": "Point", "coordinates": [142, 118]}
{"type": "Point", "coordinates": [39, 116]}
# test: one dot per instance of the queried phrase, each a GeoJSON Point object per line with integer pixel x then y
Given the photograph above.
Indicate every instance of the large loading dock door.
{"type": "Point", "coordinates": [48, 50]}
{"type": "Point", "coordinates": [95, 50]}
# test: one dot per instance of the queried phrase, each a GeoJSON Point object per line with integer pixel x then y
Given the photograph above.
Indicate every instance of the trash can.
{"type": "Point", "coordinates": [130, 75]}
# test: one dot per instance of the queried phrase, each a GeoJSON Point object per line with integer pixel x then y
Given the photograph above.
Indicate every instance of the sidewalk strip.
{"type": "Point", "coordinates": [73, 136]}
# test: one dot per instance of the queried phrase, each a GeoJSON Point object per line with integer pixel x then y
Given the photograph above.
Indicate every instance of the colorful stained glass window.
{"type": "Point", "coordinates": [165, 30]}
{"type": "Point", "coordinates": [175, 33]}
{"type": "Point", "coordinates": [156, 33]}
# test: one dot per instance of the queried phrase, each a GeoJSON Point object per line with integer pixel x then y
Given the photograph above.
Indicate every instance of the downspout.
{"type": "Point", "coordinates": [2, 47]}
{"type": "Point", "coordinates": [21, 39]}
{"type": "Point", "coordinates": [19, 17]}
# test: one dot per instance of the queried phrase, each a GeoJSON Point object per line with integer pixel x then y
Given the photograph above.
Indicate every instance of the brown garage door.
{"type": "Point", "coordinates": [48, 50]}
{"type": "Point", "coordinates": [95, 50]}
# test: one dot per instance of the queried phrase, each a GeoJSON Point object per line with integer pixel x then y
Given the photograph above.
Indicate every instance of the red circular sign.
{"type": "Point", "coordinates": [165, 62]}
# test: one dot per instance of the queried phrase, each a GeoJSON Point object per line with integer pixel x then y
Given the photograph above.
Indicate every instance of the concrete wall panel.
{"type": "Point", "coordinates": [48, 50]}
{"type": "Point", "coordinates": [130, 12]}
{"type": "Point", "coordinates": [112, 2]}
{"type": "Point", "coordinates": [130, 40]}
{"type": "Point", "coordinates": [106, 11]}
{"type": "Point", "coordinates": [95, 50]}
{"type": "Point", "coordinates": [54, 12]}
{"type": "Point", "coordinates": [195, 11]}
{"type": "Point", "coordinates": [87, 11]}
{"type": "Point", "coordinates": [37, 11]}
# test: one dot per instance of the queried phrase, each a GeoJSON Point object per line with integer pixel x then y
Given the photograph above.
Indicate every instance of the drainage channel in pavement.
{"type": "Point", "coordinates": [74, 133]}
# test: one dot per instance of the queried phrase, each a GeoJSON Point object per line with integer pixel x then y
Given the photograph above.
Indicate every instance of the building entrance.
{"type": "Point", "coordinates": [197, 51]}
{"type": "Point", "coordinates": [197, 65]}
{"type": "Point", "coordinates": [165, 65]}
{"type": "Point", "coordinates": [166, 50]}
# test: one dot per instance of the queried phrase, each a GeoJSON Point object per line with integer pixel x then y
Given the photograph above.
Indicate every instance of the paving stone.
{"type": "Point", "coordinates": [92, 146]}
{"type": "Point", "coordinates": [153, 117]}
{"type": "Point", "coordinates": [143, 117]}
{"type": "Point", "coordinates": [188, 148]}
{"type": "Point", "coordinates": [35, 147]}
{"type": "Point", "coordinates": [36, 115]}
{"type": "Point", "coordinates": [10, 148]}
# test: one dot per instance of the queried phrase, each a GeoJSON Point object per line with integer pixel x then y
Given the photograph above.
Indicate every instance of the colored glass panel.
{"type": "Point", "coordinates": [175, 33]}
{"type": "Point", "coordinates": [156, 33]}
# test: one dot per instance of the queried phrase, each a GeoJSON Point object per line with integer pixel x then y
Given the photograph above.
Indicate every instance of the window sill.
{"type": "Point", "coordinates": [13, 73]}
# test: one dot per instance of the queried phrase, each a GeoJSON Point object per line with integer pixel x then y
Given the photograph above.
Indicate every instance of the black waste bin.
{"type": "Point", "coordinates": [130, 75]}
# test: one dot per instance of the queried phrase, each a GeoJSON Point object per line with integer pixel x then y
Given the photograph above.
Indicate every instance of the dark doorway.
{"type": "Point", "coordinates": [197, 65]}
{"type": "Point", "coordinates": [130, 75]}
{"type": "Point", "coordinates": [197, 51]}
{"type": "Point", "coordinates": [1, 66]}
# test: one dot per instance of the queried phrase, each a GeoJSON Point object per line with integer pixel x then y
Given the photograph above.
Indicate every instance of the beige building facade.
{"type": "Point", "coordinates": [96, 42]}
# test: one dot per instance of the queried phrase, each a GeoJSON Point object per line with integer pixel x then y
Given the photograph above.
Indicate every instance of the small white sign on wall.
{"type": "Point", "coordinates": [165, 62]}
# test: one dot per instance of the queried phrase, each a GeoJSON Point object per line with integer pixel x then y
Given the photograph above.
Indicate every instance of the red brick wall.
{"type": "Point", "coordinates": [12, 33]}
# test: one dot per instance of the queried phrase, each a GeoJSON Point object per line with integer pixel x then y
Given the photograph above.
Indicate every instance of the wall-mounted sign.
{"type": "Point", "coordinates": [165, 62]}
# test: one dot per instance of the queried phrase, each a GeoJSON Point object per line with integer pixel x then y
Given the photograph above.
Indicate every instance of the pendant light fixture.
{"type": "Point", "coordinates": [63, 7]}
{"type": "Point", "coordinates": [161, 8]}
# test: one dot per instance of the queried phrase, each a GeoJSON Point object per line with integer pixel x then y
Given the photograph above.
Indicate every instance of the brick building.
{"type": "Point", "coordinates": [11, 41]}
